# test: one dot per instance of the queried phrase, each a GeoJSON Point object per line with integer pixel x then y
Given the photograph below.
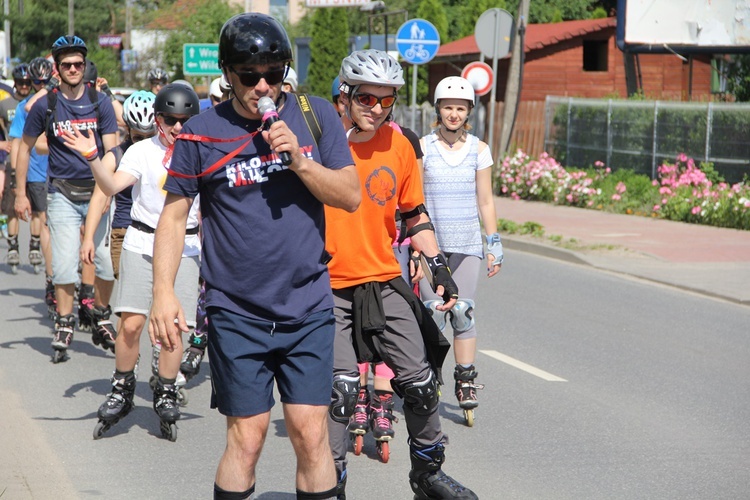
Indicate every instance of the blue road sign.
{"type": "Point", "coordinates": [418, 41]}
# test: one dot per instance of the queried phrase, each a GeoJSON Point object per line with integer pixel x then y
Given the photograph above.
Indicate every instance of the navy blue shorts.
{"type": "Point", "coordinates": [246, 356]}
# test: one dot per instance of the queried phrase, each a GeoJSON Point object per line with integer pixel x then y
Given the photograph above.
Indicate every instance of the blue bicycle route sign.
{"type": "Point", "coordinates": [418, 41]}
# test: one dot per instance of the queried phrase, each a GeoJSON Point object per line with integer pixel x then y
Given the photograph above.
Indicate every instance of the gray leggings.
{"type": "Point", "coordinates": [401, 347]}
{"type": "Point", "coordinates": [465, 270]}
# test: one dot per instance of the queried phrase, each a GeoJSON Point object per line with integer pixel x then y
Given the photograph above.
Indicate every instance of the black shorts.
{"type": "Point", "coordinates": [7, 207]}
{"type": "Point", "coordinates": [37, 193]}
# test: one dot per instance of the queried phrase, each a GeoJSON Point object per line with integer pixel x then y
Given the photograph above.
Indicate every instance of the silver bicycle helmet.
{"type": "Point", "coordinates": [138, 112]}
{"type": "Point", "coordinates": [371, 67]}
{"type": "Point", "coordinates": [157, 74]}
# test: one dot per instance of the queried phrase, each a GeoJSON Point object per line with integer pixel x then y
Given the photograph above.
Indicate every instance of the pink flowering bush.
{"type": "Point", "coordinates": [683, 191]}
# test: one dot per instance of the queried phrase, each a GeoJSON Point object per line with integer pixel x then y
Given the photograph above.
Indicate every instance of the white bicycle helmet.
{"type": "Point", "coordinates": [291, 78]}
{"type": "Point", "coordinates": [371, 67]}
{"type": "Point", "coordinates": [214, 90]}
{"type": "Point", "coordinates": [454, 87]}
{"type": "Point", "coordinates": [138, 112]}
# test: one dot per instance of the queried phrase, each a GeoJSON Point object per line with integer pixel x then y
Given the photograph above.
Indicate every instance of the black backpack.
{"type": "Point", "coordinates": [52, 98]}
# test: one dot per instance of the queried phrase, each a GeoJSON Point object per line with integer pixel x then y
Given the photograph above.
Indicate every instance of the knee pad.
{"type": "Point", "coordinates": [421, 397]}
{"type": "Point", "coordinates": [343, 398]}
{"type": "Point", "coordinates": [439, 317]}
{"type": "Point", "coordinates": [462, 315]}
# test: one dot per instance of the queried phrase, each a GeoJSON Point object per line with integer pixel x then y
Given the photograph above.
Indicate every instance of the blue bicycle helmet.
{"type": "Point", "coordinates": [68, 43]}
{"type": "Point", "coordinates": [21, 72]}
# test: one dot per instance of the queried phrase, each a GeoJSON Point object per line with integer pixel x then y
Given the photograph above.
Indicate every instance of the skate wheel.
{"type": "Point", "coordinates": [14, 269]}
{"type": "Point", "coordinates": [169, 431]}
{"type": "Point", "coordinates": [359, 443]}
{"type": "Point", "coordinates": [182, 397]}
{"type": "Point", "coordinates": [152, 382]}
{"type": "Point", "coordinates": [469, 416]}
{"type": "Point", "coordinates": [59, 356]}
{"type": "Point", "coordinates": [100, 429]}
{"type": "Point", "coordinates": [384, 451]}
{"type": "Point", "coordinates": [36, 268]}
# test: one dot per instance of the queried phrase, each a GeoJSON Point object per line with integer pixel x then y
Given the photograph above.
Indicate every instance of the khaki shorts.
{"type": "Point", "coordinates": [115, 248]}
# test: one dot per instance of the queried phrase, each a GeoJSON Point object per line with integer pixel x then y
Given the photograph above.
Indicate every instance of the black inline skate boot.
{"type": "Point", "coordinates": [193, 355]}
{"type": "Point", "coordinates": [86, 321]}
{"type": "Point", "coordinates": [35, 254]}
{"type": "Point", "coordinates": [104, 331]}
{"type": "Point", "coordinates": [381, 423]}
{"type": "Point", "coordinates": [49, 299]}
{"type": "Point", "coordinates": [118, 404]}
{"type": "Point", "coordinates": [166, 407]}
{"type": "Point", "coordinates": [63, 336]}
{"type": "Point", "coordinates": [13, 259]}
{"type": "Point", "coordinates": [466, 391]}
{"type": "Point", "coordinates": [427, 479]}
{"type": "Point", "coordinates": [358, 422]}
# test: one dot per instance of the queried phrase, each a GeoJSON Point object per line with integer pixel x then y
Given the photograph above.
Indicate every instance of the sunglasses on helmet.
{"type": "Point", "coordinates": [251, 78]}
{"type": "Point", "coordinates": [369, 100]}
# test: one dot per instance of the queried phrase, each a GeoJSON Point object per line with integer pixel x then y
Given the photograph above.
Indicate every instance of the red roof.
{"type": "Point", "coordinates": [537, 35]}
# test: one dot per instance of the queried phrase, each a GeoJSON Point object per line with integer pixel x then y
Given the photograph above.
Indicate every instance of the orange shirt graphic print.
{"type": "Point", "coordinates": [381, 185]}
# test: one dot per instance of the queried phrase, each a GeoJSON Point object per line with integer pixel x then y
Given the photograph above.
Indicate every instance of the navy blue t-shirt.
{"type": "Point", "coordinates": [64, 163]}
{"type": "Point", "coordinates": [263, 231]}
{"type": "Point", "coordinates": [124, 199]}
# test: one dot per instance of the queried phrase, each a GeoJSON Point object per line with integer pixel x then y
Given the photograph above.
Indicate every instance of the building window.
{"type": "Point", "coordinates": [595, 54]}
{"type": "Point", "coordinates": [718, 75]}
{"type": "Point", "coordinates": [279, 9]}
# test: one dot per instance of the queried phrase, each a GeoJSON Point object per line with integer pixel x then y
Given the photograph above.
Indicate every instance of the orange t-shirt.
{"type": "Point", "coordinates": [361, 242]}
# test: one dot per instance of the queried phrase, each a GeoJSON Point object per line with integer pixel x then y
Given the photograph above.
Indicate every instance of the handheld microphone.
{"type": "Point", "coordinates": [267, 108]}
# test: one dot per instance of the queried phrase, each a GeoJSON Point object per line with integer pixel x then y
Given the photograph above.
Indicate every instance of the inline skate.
{"type": "Point", "coordinates": [86, 322]}
{"type": "Point", "coordinates": [193, 355]}
{"type": "Point", "coordinates": [165, 406]}
{"type": "Point", "coordinates": [182, 397]}
{"type": "Point", "coordinates": [381, 423]}
{"type": "Point", "coordinates": [427, 479]}
{"type": "Point", "coordinates": [118, 404]}
{"type": "Point", "coordinates": [466, 391]}
{"type": "Point", "coordinates": [49, 299]}
{"type": "Point", "coordinates": [358, 422]}
{"type": "Point", "coordinates": [104, 331]}
{"type": "Point", "coordinates": [13, 259]}
{"type": "Point", "coordinates": [63, 336]}
{"type": "Point", "coordinates": [35, 254]}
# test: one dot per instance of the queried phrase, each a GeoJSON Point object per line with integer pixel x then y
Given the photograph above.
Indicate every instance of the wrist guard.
{"type": "Point", "coordinates": [53, 82]}
{"type": "Point", "coordinates": [440, 274]}
{"type": "Point", "coordinates": [495, 247]}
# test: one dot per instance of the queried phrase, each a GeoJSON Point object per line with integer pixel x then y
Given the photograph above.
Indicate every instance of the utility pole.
{"type": "Point", "coordinates": [71, 18]}
{"type": "Point", "coordinates": [6, 27]}
{"type": "Point", "coordinates": [513, 87]}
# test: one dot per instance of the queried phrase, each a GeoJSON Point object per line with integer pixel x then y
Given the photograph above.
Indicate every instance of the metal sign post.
{"type": "Point", "coordinates": [417, 41]}
{"type": "Point", "coordinates": [492, 33]}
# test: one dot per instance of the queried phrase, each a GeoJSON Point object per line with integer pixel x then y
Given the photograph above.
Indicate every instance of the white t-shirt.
{"type": "Point", "coordinates": [143, 160]}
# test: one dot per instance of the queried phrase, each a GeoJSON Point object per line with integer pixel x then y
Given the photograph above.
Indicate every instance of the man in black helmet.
{"type": "Point", "coordinates": [268, 294]}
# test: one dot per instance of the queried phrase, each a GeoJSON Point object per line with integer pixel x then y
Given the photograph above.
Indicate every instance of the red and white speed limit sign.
{"type": "Point", "coordinates": [480, 76]}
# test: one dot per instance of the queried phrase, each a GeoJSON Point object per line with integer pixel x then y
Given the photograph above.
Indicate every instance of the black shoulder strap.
{"type": "Point", "coordinates": [312, 121]}
{"type": "Point", "coordinates": [94, 98]}
{"type": "Point", "coordinates": [51, 105]}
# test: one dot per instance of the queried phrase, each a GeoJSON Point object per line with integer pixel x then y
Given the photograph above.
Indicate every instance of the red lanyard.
{"type": "Point", "coordinates": [202, 138]}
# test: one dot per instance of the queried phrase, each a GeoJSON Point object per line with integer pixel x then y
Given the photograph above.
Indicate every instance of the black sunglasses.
{"type": "Point", "coordinates": [39, 82]}
{"type": "Point", "coordinates": [251, 78]}
{"type": "Point", "coordinates": [65, 66]}
{"type": "Point", "coordinates": [171, 121]}
{"type": "Point", "coordinates": [370, 100]}
{"type": "Point", "coordinates": [25, 83]}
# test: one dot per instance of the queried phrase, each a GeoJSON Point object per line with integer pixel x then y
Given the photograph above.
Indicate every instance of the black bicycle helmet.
{"type": "Point", "coordinates": [253, 38]}
{"type": "Point", "coordinates": [90, 74]}
{"type": "Point", "coordinates": [177, 99]}
{"type": "Point", "coordinates": [21, 72]}
{"type": "Point", "coordinates": [68, 43]}
{"type": "Point", "coordinates": [40, 69]}
{"type": "Point", "coordinates": [157, 74]}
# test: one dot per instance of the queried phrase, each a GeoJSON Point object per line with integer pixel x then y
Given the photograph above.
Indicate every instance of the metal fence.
{"type": "Point", "coordinates": [641, 135]}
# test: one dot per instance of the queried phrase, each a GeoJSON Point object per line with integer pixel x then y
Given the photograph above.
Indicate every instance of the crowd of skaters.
{"type": "Point", "coordinates": [140, 194]}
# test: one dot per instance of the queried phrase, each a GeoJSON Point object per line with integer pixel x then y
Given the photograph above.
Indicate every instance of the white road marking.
{"type": "Point", "coordinates": [523, 366]}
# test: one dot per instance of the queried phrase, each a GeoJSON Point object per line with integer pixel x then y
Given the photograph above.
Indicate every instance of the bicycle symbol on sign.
{"type": "Point", "coordinates": [417, 51]}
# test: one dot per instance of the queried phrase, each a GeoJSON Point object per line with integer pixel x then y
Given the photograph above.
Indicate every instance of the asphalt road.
{"type": "Point", "coordinates": [597, 386]}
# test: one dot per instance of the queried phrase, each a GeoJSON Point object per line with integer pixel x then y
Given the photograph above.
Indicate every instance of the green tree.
{"type": "Point", "coordinates": [550, 11]}
{"type": "Point", "coordinates": [328, 46]}
{"type": "Point", "coordinates": [435, 12]}
{"type": "Point", "coordinates": [738, 78]}
{"type": "Point", "coordinates": [203, 25]}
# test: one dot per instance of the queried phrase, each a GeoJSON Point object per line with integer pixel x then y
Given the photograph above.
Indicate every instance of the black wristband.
{"type": "Point", "coordinates": [441, 275]}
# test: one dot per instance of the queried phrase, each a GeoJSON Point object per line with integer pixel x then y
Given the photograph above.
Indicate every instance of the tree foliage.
{"type": "Point", "coordinates": [738, 78]}
{"type": "Point", "coordinates": [327, 48]}
{"type": "Point", "coordinates": [203, 25]}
